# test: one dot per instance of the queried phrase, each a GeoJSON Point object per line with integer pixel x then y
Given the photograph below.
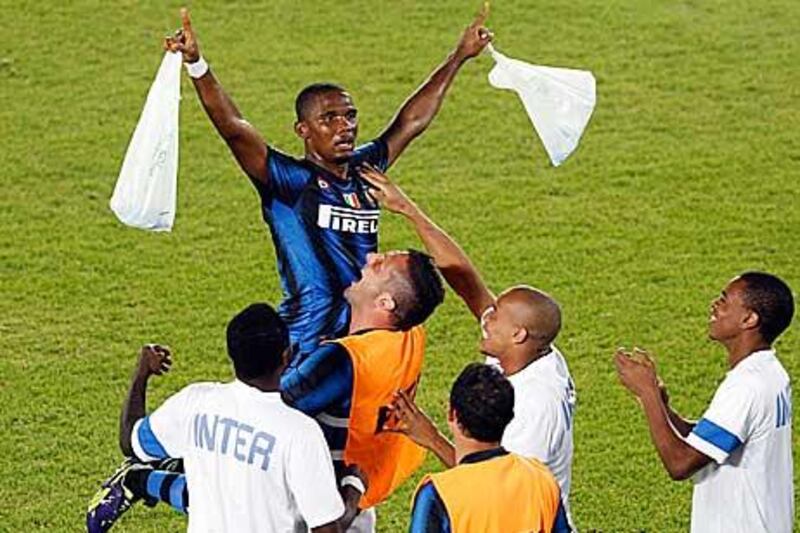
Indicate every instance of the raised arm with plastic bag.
{"type": "Point", "coordinates": [144, 196]}
{"type": "Point", "coordinates": [559, 101]}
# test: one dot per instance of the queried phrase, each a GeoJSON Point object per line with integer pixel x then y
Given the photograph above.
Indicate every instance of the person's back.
{"type": "Point", "coordinates": [489, 489]}
{"type": "Point", "coordinates": [242, 449]}
{"type": "Point", "coordinates": [250, 462]}
{"type": "Point", "coordinates": [758, 475]}
{"type": "Point", "coordinates": [504, 493]}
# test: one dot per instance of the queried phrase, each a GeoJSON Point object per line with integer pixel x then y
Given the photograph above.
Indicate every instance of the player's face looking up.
{"type": "Point", "coordinates": [378, 276]}
{"type": "Point", "coordinates": [496, 328]}
{"type": "Point", "coordinates": [729, 314]}
{"type": "Point", "coordinates": [329, 127]}
{"type": "Point", "coordinates": [522, 316]}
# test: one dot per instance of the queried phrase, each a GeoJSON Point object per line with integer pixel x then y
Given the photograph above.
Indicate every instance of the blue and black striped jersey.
{"type": "Point", "coordinates": [322, 228]}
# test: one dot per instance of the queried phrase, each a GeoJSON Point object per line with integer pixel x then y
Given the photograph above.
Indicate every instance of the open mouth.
{"type": "Point", "coordinates": [347, 143]}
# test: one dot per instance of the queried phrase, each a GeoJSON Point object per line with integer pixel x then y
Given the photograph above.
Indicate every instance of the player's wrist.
{"type": "Point", "coordinates": [355, 482]}
{"type": "Point", "coordinates": [197, 68]}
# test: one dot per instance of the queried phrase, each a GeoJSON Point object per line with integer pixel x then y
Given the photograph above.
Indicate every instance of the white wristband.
{"type": "Point", "coordinates": [197, 69]}
{"type": "Point", "coordinates": [355, 482]}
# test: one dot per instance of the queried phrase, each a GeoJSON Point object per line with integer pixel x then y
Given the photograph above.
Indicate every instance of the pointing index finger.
{"type": "Point", "coordinates": [185, 20]}
{"type": "Point", "coordinates": [482, 15]}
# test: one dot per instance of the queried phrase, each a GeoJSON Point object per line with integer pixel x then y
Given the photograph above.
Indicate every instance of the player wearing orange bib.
{"type": "Point", "coordinates": [348, 384]}
{"type": "Point", "coordinates": [521, 495]}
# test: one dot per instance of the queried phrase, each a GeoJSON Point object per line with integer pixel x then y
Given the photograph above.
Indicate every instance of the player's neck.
{"type": "Point", "coordinates": [337, 169]}
{"type": "Point", "coordinates": [518, 358]}
{"type": "Point", "coordinates": [363, 322]}
{"type": "Point", "coordinates": [741, 347]}
{"type": "Point", "coordinates": [466, 446]}
{"type": "Point", "coordinates": [264, 384]}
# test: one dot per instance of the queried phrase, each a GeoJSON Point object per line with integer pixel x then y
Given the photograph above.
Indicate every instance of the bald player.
{"type": "Point", "coordinates": [518, 330]}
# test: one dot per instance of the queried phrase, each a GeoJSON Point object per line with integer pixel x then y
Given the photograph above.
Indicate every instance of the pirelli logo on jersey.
{"type": "Point", "coordinates": [348, 220]}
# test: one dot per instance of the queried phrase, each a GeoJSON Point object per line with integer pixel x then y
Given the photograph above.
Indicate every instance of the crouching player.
{"type": "Point", "coordinates": [252, 463]}
{"type": "Point", "coordinates": [520, 494]}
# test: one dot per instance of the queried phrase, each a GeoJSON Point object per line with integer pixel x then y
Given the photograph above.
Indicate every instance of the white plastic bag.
{"type": "Point", "coordinates": [559, 101]}
{"type": "Point", "coordinates": [144, 196]}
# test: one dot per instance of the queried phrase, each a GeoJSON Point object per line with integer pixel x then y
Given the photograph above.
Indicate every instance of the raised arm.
{"type": "Point", "coordinates": [454, 264]}
{"type": "Point", "coordinates": [153, 360]}
{"type": "Point", "coordinates": [421, 107]}
{"type": "Point", "coordinates": [242, 138]}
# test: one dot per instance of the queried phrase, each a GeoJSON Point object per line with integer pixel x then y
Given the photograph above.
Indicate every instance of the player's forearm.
{"type": "Point", "coordinates": [444, 450]}
{"type": "Point", "coordinates": [675, 454]}
{"type": "Point", "coordinates": [681, 425]}
{"type": "Point", "coordinates": [419, 110]}
{"type": "Point", "coordinates": [422, 106]}
{"type": "Point", "coordinates": [351, 497]}
{"type": "Point", "coordinates": [132, 410]}
{"type": "Point", "coordinates": [453, 262]}
{"type": "Point", "coordinates": [218, 105]}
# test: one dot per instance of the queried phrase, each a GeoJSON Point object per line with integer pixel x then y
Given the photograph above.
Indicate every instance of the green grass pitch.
{"type": "Point", "coordinates": [687, 175]}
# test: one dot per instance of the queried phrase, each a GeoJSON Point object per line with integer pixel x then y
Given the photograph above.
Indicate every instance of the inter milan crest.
{"type": "Point", "coordinates": [351, 199]}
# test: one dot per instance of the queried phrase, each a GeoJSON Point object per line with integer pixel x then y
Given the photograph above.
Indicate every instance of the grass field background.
{"type": "Point", "coordinates": [687, 175]}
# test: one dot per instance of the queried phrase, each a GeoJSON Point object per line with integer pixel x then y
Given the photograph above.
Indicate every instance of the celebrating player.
{"type": "Point", "coordinates": [252, 462]}
{"type": "Point", "coordinates": [521, 493]}
{"type": "Point", "coordinates": [740, 451]}
{"type": "Point", "coordinates": [519, 328]}
{"type": "Point", "coordinates": [323, 224]}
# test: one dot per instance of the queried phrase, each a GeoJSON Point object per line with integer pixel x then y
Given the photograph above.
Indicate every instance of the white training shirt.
{"type": "Point", "coordinates": [252, 463]}
{"type": "Point", "coordinates": [747, 432]}
{"type": "Point", "coordinates": [544, 403]}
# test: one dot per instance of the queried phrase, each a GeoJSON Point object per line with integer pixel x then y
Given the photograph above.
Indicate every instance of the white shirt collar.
{"type": "Point", "coordinates": [249, 389]}
{"type": "Point", "coordinates": [754, 359]}
{"type": "Point", "coordinates": [544, 364]}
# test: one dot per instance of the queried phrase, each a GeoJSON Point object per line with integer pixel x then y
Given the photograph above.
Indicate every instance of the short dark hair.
{"type": "Point", "coordinates": [257, 338]}
{"type": "Point", "coordinates": [483, 401]}
{"type": "Point", "coordinates": [309, 93]}
{"type": "Point", "coordinates": [771, 298]}
{"type": "Point", "coordinates": [424, 294]}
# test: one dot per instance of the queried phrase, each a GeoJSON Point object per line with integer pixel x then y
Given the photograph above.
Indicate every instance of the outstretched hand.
{"type": "Point", "coordinates": [385, 192]}
{"type": "Point", "coordinates": [414, 423]}
{"type": "Point", "coordinates": [154, 359]}
{"type": "Point", "coordinates": [476, 36]}
{"type": "Point", "coordinates": [184, 40]}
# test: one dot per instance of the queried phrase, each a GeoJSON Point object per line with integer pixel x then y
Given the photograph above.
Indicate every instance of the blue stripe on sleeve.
{"type": "Point", "coordinates": [319, 380]}
{"type": "Point", "coordinates": [716, 435]}
{"type": "Point", "coordinates": [148, 440]}
{"type": "Point", "coordinates": [154, 482]}
{"type": "Point", "coordinates": [429, 514]}
{"type": "Point", "coordinates": [176, 493]}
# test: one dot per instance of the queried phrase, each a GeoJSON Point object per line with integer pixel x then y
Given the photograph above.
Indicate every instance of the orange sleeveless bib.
{"type": "Point", "coordinates": [507, 494]}
{"type": "Point", "coordinates": [384, 362]}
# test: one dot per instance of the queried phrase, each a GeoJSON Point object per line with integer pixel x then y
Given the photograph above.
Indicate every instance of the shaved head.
{"type": "Point", "coordinates": [534, 310]}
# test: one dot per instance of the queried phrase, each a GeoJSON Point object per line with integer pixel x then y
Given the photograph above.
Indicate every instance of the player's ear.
{"type": "Point", "coordinates": [301, 129]}
{"type": "Point", "coordinates": [520, 335]}
{"type": "Point", "coordinates": [751, 320]}
{"type": "Point", "coordinates": [386, 302]}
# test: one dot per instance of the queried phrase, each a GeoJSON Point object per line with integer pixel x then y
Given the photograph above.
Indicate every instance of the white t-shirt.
{"type": "Point", "coordinates": [544, 402]}
{"type": "Point", "coordinates": [747, 432]}
{"type": "Point", "coordinates": [252, 463]}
